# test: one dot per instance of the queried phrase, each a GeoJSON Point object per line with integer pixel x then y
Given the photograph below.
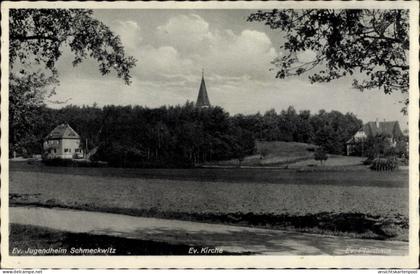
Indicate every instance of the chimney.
{"type": "Point", "coordinates": [377, 122]}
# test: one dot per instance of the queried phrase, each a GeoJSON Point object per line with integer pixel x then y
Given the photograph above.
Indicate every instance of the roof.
{"type": "Point", "coordinates": [387, 128]}
{"type": "Point", "coordinates": [203, 99]}
{"type": "Point", "coordinates": [390, 128]}
{"type": "Point", "coordinates": [360, 134]}
{"type": "Point", "coordinates": [63, 131]}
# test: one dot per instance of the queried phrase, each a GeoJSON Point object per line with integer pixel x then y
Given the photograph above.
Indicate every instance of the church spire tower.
{"type": "Point", "coordinates": [202, 99]}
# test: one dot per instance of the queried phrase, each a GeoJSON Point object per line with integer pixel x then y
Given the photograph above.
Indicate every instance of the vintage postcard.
{"type": "Point", "coordinates": [209, 134]}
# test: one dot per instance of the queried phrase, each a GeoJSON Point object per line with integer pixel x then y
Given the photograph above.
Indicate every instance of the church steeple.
{"type": "Point", "coordinates": [202, 99]}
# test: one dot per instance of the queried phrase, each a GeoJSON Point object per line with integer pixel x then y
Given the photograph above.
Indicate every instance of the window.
{"type": "Point", "coordinates": [77, 150]}
{"type": "Point", "coordinates": [66, 150]}
{"type": "Point", "coordinates": [55, 151]}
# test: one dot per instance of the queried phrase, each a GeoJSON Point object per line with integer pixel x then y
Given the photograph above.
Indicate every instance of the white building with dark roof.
{"type": "Point", "coordinates": [62, 142]}
{"type": "Point", "coordinates": [390, 129]}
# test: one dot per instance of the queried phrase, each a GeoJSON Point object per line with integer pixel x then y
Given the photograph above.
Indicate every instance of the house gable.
{"type": "Point", "coordinates": [62, 142]}
{"type": "Point", "coordinates": [370, 129]}
{"type": "Point", "coordinates": [388, 128]}
{"type": "Point", "coordinates": [63, 131]}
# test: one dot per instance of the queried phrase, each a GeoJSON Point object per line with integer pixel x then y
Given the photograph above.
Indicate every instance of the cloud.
{"type": "Point", "coordinates": [171, 50]}
{"type": "Point", "coordinates": [156, 63]}
{"type": "Point", "coordinates": [219, 51]}
{"type": "Point", "coordinates": [130, 33]}
{"type": "Point", "coordinates": [247, 53]}
{"type": "Point", "coordinates": [186, 43]}
{"type": "Point", "coordinates": [188, 33]}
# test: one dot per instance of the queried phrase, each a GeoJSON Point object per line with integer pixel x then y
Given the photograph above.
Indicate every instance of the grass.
{"type": "Point", "coordinates": [292, 155]}
{"type": "Point", "coordinates": [274, 153]}
{"type": "Point", "coordinates": [330, 202]}
{"type": "Point", "coordinates": [332, 161]}
{"type": "Point", "coordinates": [357, 177]}
{"type": "Point", "coordinates": [30, 238]}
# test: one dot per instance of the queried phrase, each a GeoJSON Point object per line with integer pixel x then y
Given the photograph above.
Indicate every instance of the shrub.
{"type": "Point", "coordinates": [404, 160]}
{"type": "Point", "coordinates": [384, 164]}
{"type": "Point", "coordinates": [320, 155]}
{"type": "Point", "coordinates": [368, 161]}
{"type": "Point", "coordinates": [311, 149]}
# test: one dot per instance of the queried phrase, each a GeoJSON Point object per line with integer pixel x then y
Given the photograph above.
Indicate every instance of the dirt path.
{"type": "Point", "coordinates": [225, 237]}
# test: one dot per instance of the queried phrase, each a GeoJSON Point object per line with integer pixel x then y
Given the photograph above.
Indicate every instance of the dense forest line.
{"type": "Point", "coordinates": [179, 136]}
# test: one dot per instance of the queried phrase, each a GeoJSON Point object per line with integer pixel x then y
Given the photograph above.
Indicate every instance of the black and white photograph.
{"type": "Point", "coordinates": [231, 132]}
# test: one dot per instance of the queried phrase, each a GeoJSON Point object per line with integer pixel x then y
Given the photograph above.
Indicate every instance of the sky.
{"type": "Point", "coordinates": [174, 46]}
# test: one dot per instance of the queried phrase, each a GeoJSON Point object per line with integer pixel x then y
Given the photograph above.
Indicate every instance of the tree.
{"type": "Point", "coordinates": [174, 136]}
{"type": "Point", "coordinates": [26, 94]}
{"type": "Point", "coordinates": [333, 129]}
{"type": "Point", "coordinates": [370, 44]}
{"type": "Point", "coordinates": [243, 144]}
{"type": "Point", "coordinates": [37, 38]}
{"type": "Point", "coordinates": [329, 140]}
{"type": "Point", "coordinates": [320, 155]}
{"type": "Point", "coordinates": [377, 146]}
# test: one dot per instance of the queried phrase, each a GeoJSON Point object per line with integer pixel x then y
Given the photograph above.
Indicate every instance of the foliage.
{"type": "Point", "coordinates": [320, 155]}
{"type": "Point", "coordinates": [328, 129]}
{"type": "Point", "coordinates": [37, 39]}
{"type": "Point", "coordinates": [380, 146]}
{"type": "Point", "coordinates": [360, 148]}
{"type": "Point", "coordinates": [184, 135]}
{"type": "Point", "coordinates": [384, 164]}
{"type": "Point", "coordinates": [368, 161]}
{"type": "Point", "coordinates": [377, 146]}
{"type": "Point", "coordinates": [28, 137]}
{"type": "Point", "coordinates": [401, 148]}
{"type": "Point", "coordinates": [26, 93]}
{"type": "Point", "coordinates": [121, 156]}
{"type": "Point", "coordinates": [177, 136]}
{"type": "Point", "coordinates": [370, 45]}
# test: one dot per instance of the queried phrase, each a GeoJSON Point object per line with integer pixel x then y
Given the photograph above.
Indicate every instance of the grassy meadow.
{"type": "Point", "coordinates": [291, 155]}
{"type": "Point", "coordinates": [359, 203]}
{"type": "Point", "coordinates": [273, 154]}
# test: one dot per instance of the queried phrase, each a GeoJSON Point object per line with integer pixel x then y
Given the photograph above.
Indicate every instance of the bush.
{"type": "Point", "coordinates": [368, 161]}
{"type": "Point", "coordinates": [121, 155]}
{"type": "Point", "coordinates": [320, 155]}
{"type": "Point", "coordinates": [384, 164]}
{"type": "Point", "coordinates": [310, 149]}
{"type": "Point", "coordinates": [404, 160]}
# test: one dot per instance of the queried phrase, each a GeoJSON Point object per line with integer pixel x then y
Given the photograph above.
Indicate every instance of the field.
{"type": "Point", "coordinates": [291, 155]}
{"type": "Point", "coordinates": [332, 161]}
{"type": "Point", "coordinates": [358, 203]}
{"type": "Point", "coordinates": [274, 153]}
